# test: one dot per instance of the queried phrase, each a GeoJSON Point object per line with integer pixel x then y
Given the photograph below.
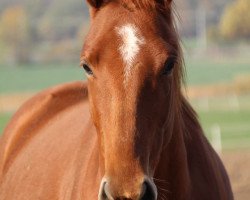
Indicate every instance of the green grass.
{"type": "Point", "coordinates": [235, 127]}
{"type": "Point", "coordinates": [202, 72]}
{"type": "Point", "coordinates": [4, 118]}
{"type": "Point", "coordinates": [234, 122]}
{"type": "Point", "coordinates": [37, 77]}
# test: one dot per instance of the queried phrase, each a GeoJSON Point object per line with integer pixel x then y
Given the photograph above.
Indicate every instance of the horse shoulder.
{"type": "Point", "coordinates": [36, 115]}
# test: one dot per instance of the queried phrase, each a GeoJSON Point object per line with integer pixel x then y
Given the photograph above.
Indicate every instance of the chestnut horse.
{"type": "Point", "coordinates": [126, 134]}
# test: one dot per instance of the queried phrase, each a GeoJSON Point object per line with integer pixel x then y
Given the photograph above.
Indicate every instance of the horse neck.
{"type": "Point", "coordinates": [172, 172]}
{"type": "Point", "coordinates": [190, 155]}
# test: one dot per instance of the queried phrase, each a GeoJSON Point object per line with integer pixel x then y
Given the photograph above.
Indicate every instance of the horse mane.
{"type": "Point", "coordinates": [148, 3]}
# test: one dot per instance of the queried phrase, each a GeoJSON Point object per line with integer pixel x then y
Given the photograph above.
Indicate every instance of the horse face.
{"type": "Point", "coordinates": [129, 56]}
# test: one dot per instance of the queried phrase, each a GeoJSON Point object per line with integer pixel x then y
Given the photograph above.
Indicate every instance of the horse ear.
{"type": "Point", "coordinates": [95, 3]}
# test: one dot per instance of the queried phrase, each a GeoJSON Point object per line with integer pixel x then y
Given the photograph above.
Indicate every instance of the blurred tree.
{"type": "Point", "coordinates": [235, 23]}
{"type": "Point", "coordinates": [53, 24]}
{"type": "Point", "coordinates": [190, 11]}
{"type": "Point", "coordinates": [62, 20]}
{"type": "Point", "coordinates": [14, 34]}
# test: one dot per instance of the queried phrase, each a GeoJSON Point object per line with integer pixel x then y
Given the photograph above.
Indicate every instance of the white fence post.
{"type": "Point", "coordinates": [216, 138]}
{"type": "Point", "coordinates": [234, 102]}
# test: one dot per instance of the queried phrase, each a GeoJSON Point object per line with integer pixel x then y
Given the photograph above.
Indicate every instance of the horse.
{"type": "Point", "coordinates": [128, 133]}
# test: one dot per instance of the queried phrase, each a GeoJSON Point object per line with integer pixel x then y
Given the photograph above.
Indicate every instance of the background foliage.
{"type": "Point", "coordinates": [235, 22]}
{"type": "Point", "coordinates": [41, 31]}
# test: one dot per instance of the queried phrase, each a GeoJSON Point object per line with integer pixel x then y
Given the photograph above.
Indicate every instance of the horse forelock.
{"type": "Point", "coordinates": [150, 4]}
{"type": "Point", "coordinates": [139, 3]}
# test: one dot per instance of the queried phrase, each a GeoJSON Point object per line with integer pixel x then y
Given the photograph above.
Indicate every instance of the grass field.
{"type": "Point", "coordinates": [233, 120]}
{"type": "Point", "coordinates": [200, 72]}
{"type": "Point", "coordinates": [4, 118]}
{"type": "Point", "coordinates": [37, 77]}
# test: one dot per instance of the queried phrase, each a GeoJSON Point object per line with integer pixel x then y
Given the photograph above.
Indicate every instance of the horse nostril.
{"type": "Point", "coordinates": [148, 192]}
{"type": "Point", "coordinates": [104, 195]}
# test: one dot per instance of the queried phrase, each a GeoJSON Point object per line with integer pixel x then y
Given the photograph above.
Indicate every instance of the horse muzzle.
{"type": "Point", "coordinates": [146, 191]}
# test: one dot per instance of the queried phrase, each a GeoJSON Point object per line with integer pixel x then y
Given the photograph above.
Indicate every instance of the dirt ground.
{"type": "Point", "coordinates": [237, 164]}
{"type": "Point", "coordinates": [11, 102]}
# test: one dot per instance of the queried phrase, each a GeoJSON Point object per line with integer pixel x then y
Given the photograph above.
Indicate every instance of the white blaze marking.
{"type": "Point", "coordinates": [130, 47]}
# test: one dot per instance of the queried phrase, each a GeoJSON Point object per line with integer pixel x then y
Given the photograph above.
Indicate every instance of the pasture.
{"type": "Point", "coordinates": [4, 118]}
{"type": "Point", "coordinates": [232, 119]}
{"type": "Point", "coordinates": [37, 77]}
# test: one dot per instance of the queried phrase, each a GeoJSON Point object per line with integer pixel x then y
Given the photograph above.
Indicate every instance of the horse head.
{"type": "Point", "coordinates": [132, 59]}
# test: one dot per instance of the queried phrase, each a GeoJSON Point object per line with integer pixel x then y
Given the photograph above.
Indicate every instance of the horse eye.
{"type": "Point", "coordinates": [168, 66]}
{"type": "Point", "coordinates": [87, 69]}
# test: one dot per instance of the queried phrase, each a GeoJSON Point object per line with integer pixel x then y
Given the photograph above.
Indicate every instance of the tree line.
{"type": "Point", "coordinates": [44, 30]}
